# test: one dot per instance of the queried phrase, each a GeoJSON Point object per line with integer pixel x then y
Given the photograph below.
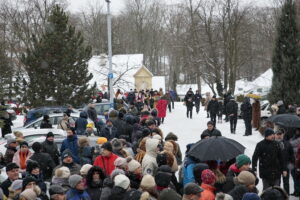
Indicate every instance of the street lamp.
{"type": "Point", "coordinates": [110, 73]}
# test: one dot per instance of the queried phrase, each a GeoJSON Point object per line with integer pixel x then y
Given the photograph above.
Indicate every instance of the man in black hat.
{"type": "Point", "coordinates": [57, 192]}
{"type": "Point", "coordinates": [192, 191]}
{"type": "Point", "coordinates": [44, 159]}
{"type": "Point", "coordinates": [10, 151]}
{"type": "Point", "coordinates": [67, 161]}
{"type": "Point", "coordinates": [12, 171]}
{"type": "Point", "coordinates": [49, 146]}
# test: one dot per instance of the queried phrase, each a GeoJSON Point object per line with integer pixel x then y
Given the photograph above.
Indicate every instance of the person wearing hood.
{"type": "Point", "coordinates": [46, 122]}
{"type": "Point", "coordinates": [109, 130]}
{"type": "Point", "coordinates": [11, 149]}
{"type": "Point", "coordinates": [44, 159]}
{"type": "Point", "coordinates": [61, 177]}
{"type": "Point", "coordinates": [49, 146]}
{"type": "Point", "coordinates": [210, 131]}
{"type": "Point", "coordinates": [85, 152]}
{"type": "Point", "coordinates": [22, 155]}
{"type": "Point", "coordinates": [189, 103]}
{"type": "Point", "coordinates": [246, 109]}
{"type": "Point", "coordinates": [208, 180]}
{"type": "Point", "coordinates": [149, 163]}
{"type": "Point", "coordinates": [71, 143]}
{"type": "Point", "coordinates": [213, 109]}
{"type": "Point", "coordinates": [281, 108]}
{"type": "Point", "coordinates": [232, 113]}
{"type": "Point", "coordinates": [173, 137]}
{"type": "Point", "coordinates": [288, 157]}
{"type": "Point", "coordinates": [80, 123]}
{"type": "Point", "coordinates": [94, 180]}
{"type": "Point", "coordinates": [244, 182]}
{"type": "Point", "coordinates": [106, 159]}
{"type": "Point", "coordinates": [78, 190]}
{"type": "Point", "coordinates": [33, 170]}
{"type": "Point", "coordinates": [68, 161]}
{"type": "Point", "coordinates": [271, 162]}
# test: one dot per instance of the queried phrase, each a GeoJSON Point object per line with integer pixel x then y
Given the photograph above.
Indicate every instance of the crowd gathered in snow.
{"type": "Point", "coordinates": [134, 160]}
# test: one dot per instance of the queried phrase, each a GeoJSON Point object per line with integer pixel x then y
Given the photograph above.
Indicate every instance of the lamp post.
{"type": "Point", "coordinates": [110, 73]}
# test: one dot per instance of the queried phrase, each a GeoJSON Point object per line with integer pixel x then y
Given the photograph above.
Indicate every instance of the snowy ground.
{"type": "Point", "coordinates": [189, 131]}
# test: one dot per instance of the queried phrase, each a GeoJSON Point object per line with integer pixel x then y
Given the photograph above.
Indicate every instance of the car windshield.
{"type": "Point", "coordinates": [102, 108]}
{"type": "Point", "coordinates": [264, 106]}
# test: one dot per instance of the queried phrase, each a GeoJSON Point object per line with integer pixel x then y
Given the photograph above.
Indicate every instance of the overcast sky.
{"type": "Point", "coordinates": [118, 5]}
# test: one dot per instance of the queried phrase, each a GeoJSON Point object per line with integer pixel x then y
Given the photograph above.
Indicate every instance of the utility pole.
{"type": "Point", "coordinates": [110, 73]}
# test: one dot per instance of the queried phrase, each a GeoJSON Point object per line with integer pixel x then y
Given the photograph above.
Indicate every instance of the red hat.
{"type": "Point", "coordinates": [208, 177]}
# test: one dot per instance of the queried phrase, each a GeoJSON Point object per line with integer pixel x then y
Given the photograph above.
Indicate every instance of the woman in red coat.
{"type": "Point", "coordinates": [161, 107]}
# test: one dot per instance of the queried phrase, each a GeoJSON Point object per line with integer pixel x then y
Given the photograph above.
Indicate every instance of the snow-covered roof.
{"type": "Point", "coordinates": [159, 82]}
{"type": "Point", "coordinates": [124, 67]}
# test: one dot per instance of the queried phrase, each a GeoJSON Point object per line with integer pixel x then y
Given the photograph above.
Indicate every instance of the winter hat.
{"type": "Point", "coordinates": [171, 136]}
{"type": "Point", "coordinates": [24, 143]}
{"type": "Point", "coordinates": [122, 181]}
{"type": "Point", "coordinates": [146, 132]}
{"type": "Point", "coordinates": [31, 165]}
{"type": "Point", "coordinates": [62, 172]}
{"type": "Point", "coordinates": [83, 141]}
{"type": "Point", "coordinates": [148, 181]}
{"type": "Point", "coordinates": [85, 169]}
{"type": "Point", "coordinates": [280, 102]}
{"type": "Point", "coordinates": [192, 188]}
{"type": "Point", "coordinates": [50, 134]}
{"type": "Point", "coordinates": [132, 164]}
{"type": "Point", "coordinates": [208, 177]}
{"type": "Point", "coordinates": [163, 176]}
{"type": "Point", "coordinates": [36, 147]}
{"type": "Point", "coordinates": [107, 146]}
{"type": "Point", "coordinates": [116, 144]}
{"type": "Point", "coordinates": [9, 141]}
{"type": "Point", "coordinates": [245, 178]}
{"type": "Point", "coordinates": [11, 166]}
{"type": "Point", "coordinates": [16, 185]}
{"type": "Point", "coordinates": [251, 196]}
{"type": "Point", "coordinates": [120, 162]}
{"type": "Point", "coordinates": [269, 132]}
{"type": "Point", "coordinates": [27, 180]}
{"type": "Point", "coordinates": [56, 189]}
{"type": "Point", "coordinates": [29, 194]}
{"type": "Point", "coordinates": [116, 172]}
{"type": "Point", "coordinates": [156, 136]}
{"type": "Point", "coordinates": [197, 171]}
{"type": "Point", "coordinates": [161, 159]}
{"type": "Point", "coordinates": [169, 194]}
{"type": "Point", "coordinates": [242, 160]}
{"type": "Point", "coordinates": [74, 180]}
{"type": "Point", "coordinates": [90, 125]}
{"type": "Point", "coordinates": [101, 140]}
{"type": "Point", "coordinates": [223, 196]}
{"type": "Point", "coordinates": [66, 153]}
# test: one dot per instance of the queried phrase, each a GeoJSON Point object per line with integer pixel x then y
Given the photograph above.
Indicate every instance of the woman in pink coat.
{"type": "Point", "coordinates": [161, 107]}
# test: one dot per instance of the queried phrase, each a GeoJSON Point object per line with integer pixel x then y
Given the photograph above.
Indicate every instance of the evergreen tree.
{"type": "Point", "coordinates": [285, 61]}
{"type": "Point", "coordinates": [57, 67]}
{"type": "Point", "coordinates": [6, 73]}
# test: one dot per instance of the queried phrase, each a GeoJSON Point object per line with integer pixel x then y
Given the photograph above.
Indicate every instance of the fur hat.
{"type": "Point", "coordinates": [120, 162]}
{"type": "Point", "coordinates": [171, 136]}
{"type": "Point", "coordinates": [132, 164]}
{"type": "Point", "coordinates": [29, 194]}
{"type": "Point", "coordinates": [85, 169]}
{"type": "Point", "coordinates": [116, 144]}
{"type": "Point", "coordinates": [245, 178]}
{"type": "Point", "coordinates": [122, 181]}
{"type": "Point", "coordinates": [74, 180]}
{"type": "Point", "coordinates": [168, 146]}
{"type": "Point", "coordinates": [208, 177]}
{"type": "Point", "coordinates": [62, 172]}
{"type": "Point", "coordinates": [156, 136]}
{"type": "Point", "coordinates": [148, 182]}
{"type": "Point", "coordinates": [83, 141]}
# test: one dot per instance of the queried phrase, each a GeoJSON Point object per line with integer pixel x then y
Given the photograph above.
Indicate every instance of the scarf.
{"type": "Point", "coordinates": [23, 157]}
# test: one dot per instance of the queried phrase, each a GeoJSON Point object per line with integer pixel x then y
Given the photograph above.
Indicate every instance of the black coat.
{"type": "Point", "coordinates": [197, 98]}
{"type": "Point", "coordinates": [281, 110]}
{"type": "Point", "coordinates": [46, 124]}
{"type": "Point", "coordinates": [45, 162]}
{"type": "Point", "coordinates": [120, 125]}
{"type": "Point", "coordinates": [213, 107]}
{"type": "Point", "coordinates": [189, 100]}
{"type": "Point", "coordinates": [92, 114]}
{"type": "Point", "coordinates": [52, 150]}
{"type": "Point", "coordinates": [287, 152]}
{"type": "Point", "coordinates": [271, 163]}
{"type": "Point", "coordinates": [214, 132]}
{"type": "Point", "coordinates": [135, 180]}
{"type": "Point", "coordinates": [80, 124]}
{"type": "Point", "coordinates": [5, 185]}
{"type": "Point", "coordinates": [109, 133]}
{"type": "Point", "coordinates": [232, 108]}
{"type": "Point", "coordinates": [246, 109]}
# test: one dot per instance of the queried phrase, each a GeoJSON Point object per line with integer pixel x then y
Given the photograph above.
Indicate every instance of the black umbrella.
{"type": "Point", "coordinates": [216, 148]}
{"type": "Point", "coordinates": [286, 120]}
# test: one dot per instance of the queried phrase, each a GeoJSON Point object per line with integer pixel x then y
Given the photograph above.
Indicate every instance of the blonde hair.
{"type": "Point", "coordinates": [18, 134]}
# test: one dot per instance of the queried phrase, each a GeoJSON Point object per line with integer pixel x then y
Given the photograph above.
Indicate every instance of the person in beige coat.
{"type": "Point", "coordinates": [149, 163]}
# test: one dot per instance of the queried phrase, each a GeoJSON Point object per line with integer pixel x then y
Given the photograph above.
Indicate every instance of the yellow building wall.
{"type": "Point", "coordinates": [143, 80]}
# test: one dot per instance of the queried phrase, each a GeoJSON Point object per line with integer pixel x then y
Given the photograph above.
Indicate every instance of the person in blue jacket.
{"type": "Point", "coordinates": [71, 143]}
{"type": "Point", "coordinates": [78, 189]}
{"type": "Point", "coordinates": [188, 165]}
{"type": "Point", "coordinates": [81, 122]}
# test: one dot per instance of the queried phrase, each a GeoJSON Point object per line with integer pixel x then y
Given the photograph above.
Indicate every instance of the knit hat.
{"type": "Point", "coordinates": [120, 162]}
{"type": "Point", "coordinates": [36, 147]}
{"type": "Point", "coordinates": [192, 188]}
{"type": "Point", "coordinates": [107, 146]}
{"type": "Point", "coordinates": [148, 181]}
{"type": "Point", "coordinates": [74, 180]}
{"type": "Point", "coordinates": [132, 164]}
{"type": "Point", "coordinates": [50, 134]}
{"type": "Point", "coordinates": [242, 160]}
{"type": "Point", "coordinates": [62, 172]}
{"type": "Point", "coordinates": [122, 181]}
{"type": "Point", "coordinates": [16, 185]}
{"type": "Point", "coordinates": [27, 180]}
{"type": "Point", "coordinates": [85, 169]}
{"type": "Point", "coordinates": [56, 189]}
{"type": "Point", "coordinates": [251, 196]}
{"type": "Point", "coordinates": [268, 132]}
{"type": "Point", "coordinates": [29, 194]}
{"type": "Point", "coordinates": [66, 153]}
{"type": "Point", "coordinates": [116, 144]}
{"type": "Point", "coordinates": [245, 178]}
{"type": "Point", "coordinates": [163, 176]}
{"type": "Point", "coordinates": [208, 177]}
{"type": "Point", "coordinates": [11, 166]}
{"type": "Point", "coordinates": [90, 125]}
{"type": "Point", "coordinates": [101, 140]}
{"type": "Point", "coordinates": [116, 172]}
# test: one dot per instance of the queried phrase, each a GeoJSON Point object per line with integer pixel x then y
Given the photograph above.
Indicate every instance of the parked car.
{"type": "Point", "coordinates": [265, 111]}
{"type": "Point", "coordinates": [36, 113]}
{"type": "Point", "coordinates": [11, 112]}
